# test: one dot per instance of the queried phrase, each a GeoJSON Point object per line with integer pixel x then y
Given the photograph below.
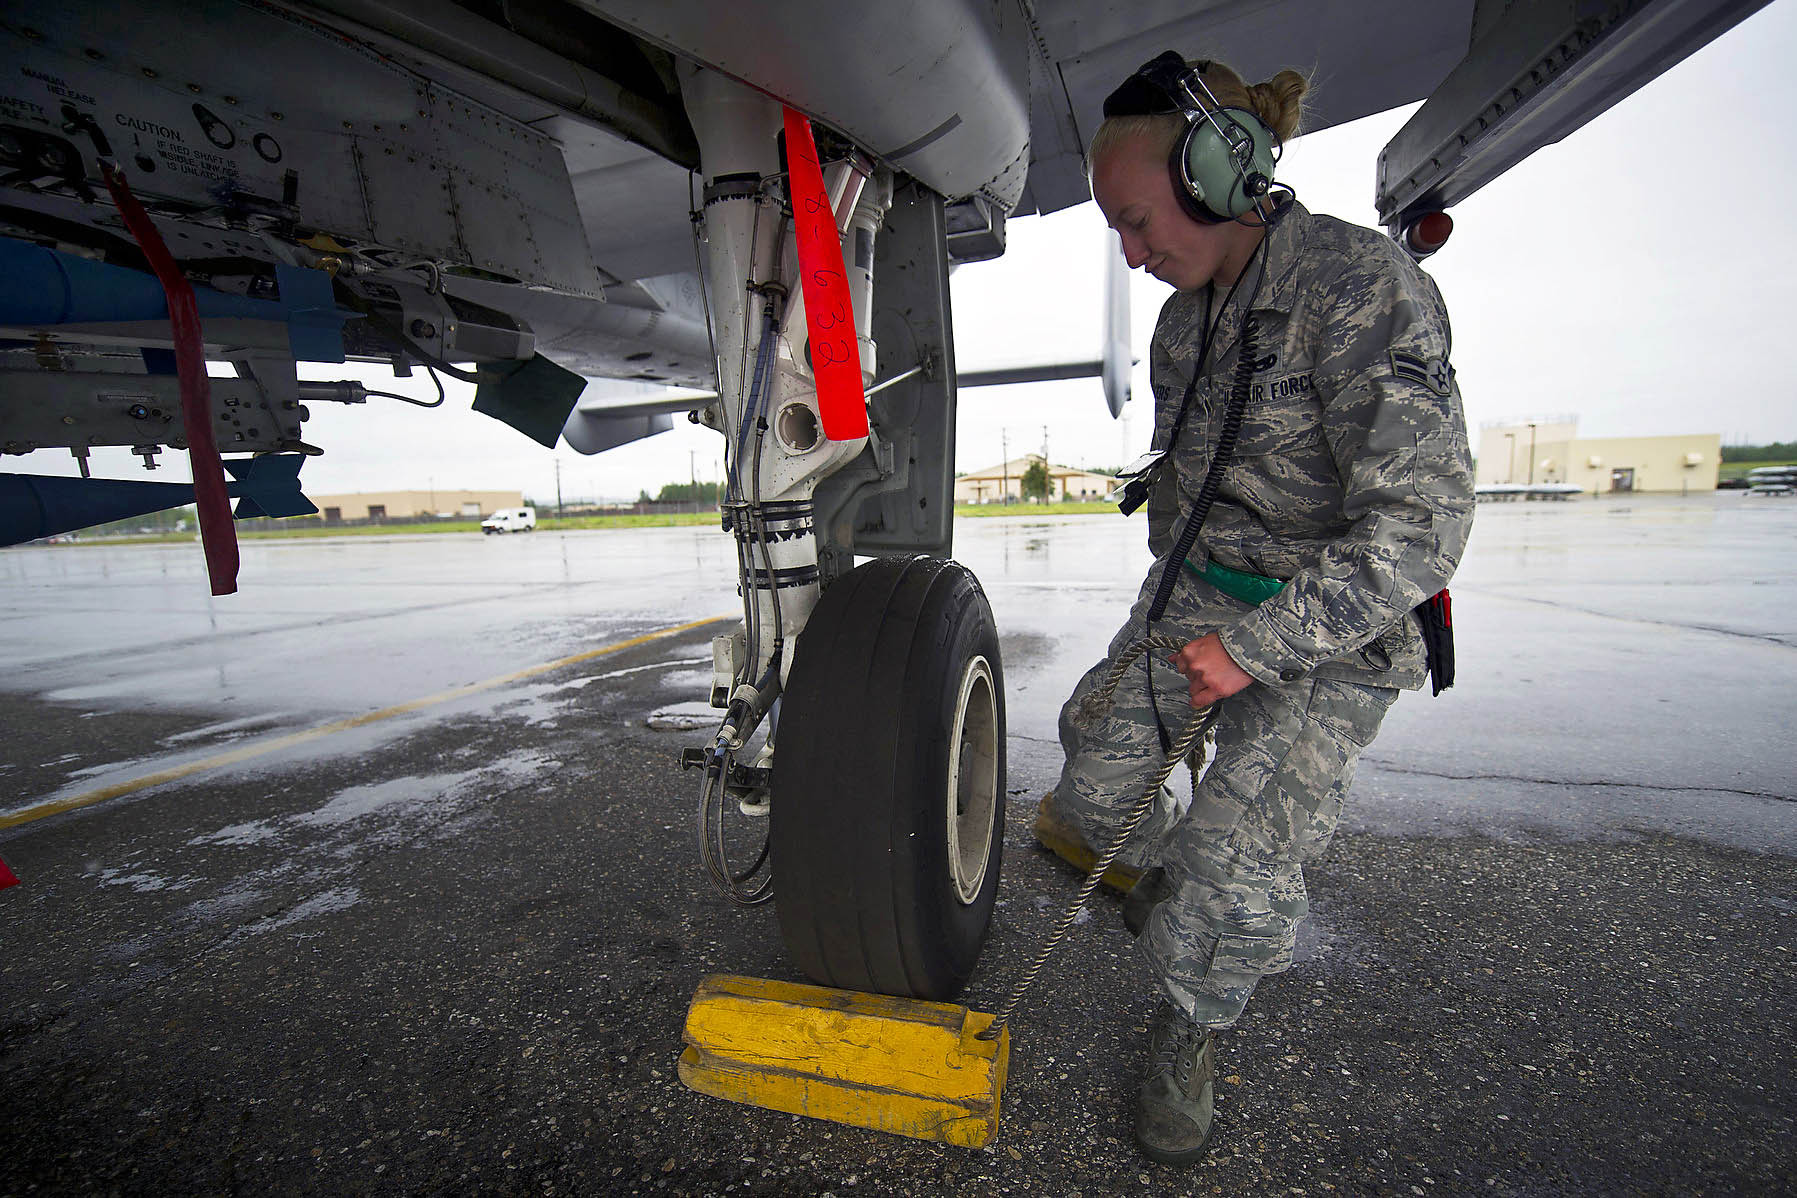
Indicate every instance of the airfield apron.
{"type": "Point", "coordinates": [1352, 480]}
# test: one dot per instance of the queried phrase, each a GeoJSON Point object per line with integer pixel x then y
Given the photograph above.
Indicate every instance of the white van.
{"type": "Point", "coordinates": [510, 519]}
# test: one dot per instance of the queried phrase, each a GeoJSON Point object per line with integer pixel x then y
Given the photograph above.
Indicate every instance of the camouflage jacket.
{"type": "Point", "coordinates": [1352, 477]}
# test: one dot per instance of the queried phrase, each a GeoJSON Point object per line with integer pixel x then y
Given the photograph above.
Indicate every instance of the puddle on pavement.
{"type": "Point", "coordinates": [684, 717]}
{"type": "Point", "coordinates": [358, 802]}
{"type": "Point", "coordinates": [327, 902]}
{"type": "Point", "coordinates": [258, 831]}
{"type": "Point", "coordinates": [546, 704]}
{"type": "Point", "coordinates": [225, 728]}
{"type": "Point", "coordinates": [143, 881]}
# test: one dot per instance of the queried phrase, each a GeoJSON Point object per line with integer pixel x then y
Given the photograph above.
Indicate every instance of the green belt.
{"type": "Point", "coordinates": [1238, 584]}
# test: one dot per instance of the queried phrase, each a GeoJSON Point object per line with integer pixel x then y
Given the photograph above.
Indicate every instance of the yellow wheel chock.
{"type": "Point", "coordinates": [897, 1065]}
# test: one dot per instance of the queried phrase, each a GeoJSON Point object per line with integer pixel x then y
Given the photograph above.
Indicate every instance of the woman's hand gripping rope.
{"type": "Point", "coordinates": [1094, 707]}
{"type": "Point", "coordinates": [1210, 672]}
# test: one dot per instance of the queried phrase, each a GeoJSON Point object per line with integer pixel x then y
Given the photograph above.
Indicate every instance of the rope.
{"type": "Point", "coordinates": [1091, 709]}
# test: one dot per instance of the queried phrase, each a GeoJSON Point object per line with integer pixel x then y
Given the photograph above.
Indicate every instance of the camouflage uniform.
{"type": "Point", "coordinates": [1352, 478]}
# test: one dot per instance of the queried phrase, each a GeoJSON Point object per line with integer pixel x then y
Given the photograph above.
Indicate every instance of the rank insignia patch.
{"type": "Point", "coordinates": [1433, 373]}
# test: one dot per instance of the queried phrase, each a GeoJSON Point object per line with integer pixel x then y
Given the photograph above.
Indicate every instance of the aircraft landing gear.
{"type": "Point", "coordinates": [884, 777]}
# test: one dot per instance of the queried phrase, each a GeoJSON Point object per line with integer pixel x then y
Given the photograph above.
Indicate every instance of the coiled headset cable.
{"type": "Point", "coordinates": [1219, 463]}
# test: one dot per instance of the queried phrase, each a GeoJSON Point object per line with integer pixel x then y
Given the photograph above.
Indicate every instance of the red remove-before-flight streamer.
{"type": "Point", "coordinates": [829, 313]}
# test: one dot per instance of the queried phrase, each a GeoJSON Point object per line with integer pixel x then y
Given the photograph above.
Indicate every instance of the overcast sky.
{"type": "Point", "coordinates": [1639, 275]}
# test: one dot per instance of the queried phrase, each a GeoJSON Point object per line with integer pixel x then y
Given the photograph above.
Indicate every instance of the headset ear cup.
{"type": "Point", "coordinates": [1221, 185]}
{"type": "Point", "coordinates": [1185, 190]}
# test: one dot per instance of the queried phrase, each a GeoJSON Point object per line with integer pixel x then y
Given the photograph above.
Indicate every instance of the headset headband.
{"type": "Point", "coordinates": [1162, 85]}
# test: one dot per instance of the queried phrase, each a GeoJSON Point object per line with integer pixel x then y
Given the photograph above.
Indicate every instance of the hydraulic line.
{"type": "Point", "coordinates": [713, 799]}
{"type": "Point", "coordinates": [744, 511]}
{"type": "Point", "coordinates": [745, 573]}
{"type": "Point", "coordinates": [750, 529]}
{"type": "Point", "coordinates": [405, 343]}
{"type": "Point", "coordinates": [759, 527]}
{"type": "Point", "coordinates": [715, 795]}
{"type": "Point", "coordinates": [744, 714]}
{"type": "Point", "coordinates": [770, 326]}
{"type": "Point", "coordinates": [697, 217]}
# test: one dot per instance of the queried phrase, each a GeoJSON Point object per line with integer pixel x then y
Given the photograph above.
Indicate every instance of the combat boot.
{"type": "Point", "coordinates": [1173, 1111]}
{"type": "Point", "coordinates": [1064, 841]}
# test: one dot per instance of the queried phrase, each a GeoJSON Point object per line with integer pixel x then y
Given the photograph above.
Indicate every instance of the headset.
{"type": "Point", "coordinates": [1222, 165]}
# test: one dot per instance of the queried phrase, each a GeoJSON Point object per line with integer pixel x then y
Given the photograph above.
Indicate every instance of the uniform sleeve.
{"type": "Point", "coordinates": [1397, 432]}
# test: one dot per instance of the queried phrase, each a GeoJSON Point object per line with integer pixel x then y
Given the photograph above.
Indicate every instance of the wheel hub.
{"type": "Point", "coordinates": [972, 780]}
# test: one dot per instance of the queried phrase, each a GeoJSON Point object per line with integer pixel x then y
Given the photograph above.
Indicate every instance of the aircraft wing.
{"type": "Point", "coordinates": [1500, 80]}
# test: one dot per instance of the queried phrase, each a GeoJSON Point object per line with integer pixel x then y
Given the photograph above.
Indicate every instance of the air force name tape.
{"type": "Point", "coordinates": [1433, 373]}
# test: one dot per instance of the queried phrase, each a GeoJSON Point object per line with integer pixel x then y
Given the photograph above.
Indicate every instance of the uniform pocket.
{"type": "Point", "coordinates": [1281, 418]}
{"type": "Point", "coordinates": [1296, 813]}
{"type": "Point", "coordinates": [1443, 471]}
{"type": "Point", "coordinates": [1236, 953]}
{"type": "Point", "coordinates": [1353, 711]}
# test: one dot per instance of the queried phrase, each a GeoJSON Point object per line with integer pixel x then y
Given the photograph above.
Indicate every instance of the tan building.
{"type": "Point", "coordinates": [995, 484]}
{"type": "Point", "coordinates": [408, 505]}
{"type": "Point", "coordinates": [1549, 450]}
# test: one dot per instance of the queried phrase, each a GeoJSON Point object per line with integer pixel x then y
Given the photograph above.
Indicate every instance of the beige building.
{"type": "Point", "coordinates": [408, 505]}
{"type": "Point", "coordinates": [995, 484]}
{"type": "Point", "coordinates": [1549, 450]}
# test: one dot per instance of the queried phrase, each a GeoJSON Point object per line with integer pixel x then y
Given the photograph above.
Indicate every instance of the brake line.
{"type": "Point", "coordinates": [750, 533]}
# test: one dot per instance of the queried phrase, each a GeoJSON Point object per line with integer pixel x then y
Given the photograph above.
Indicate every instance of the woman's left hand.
{"type": "Point", "coordinates": [1211, 673]}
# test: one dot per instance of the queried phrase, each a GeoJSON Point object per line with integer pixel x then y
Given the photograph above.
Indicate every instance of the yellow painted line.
{"type": "Point", "coordinates": [274, 744]}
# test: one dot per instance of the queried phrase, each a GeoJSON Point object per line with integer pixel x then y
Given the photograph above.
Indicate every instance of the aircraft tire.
{"type": "Point", "coordinates": [896, 683]}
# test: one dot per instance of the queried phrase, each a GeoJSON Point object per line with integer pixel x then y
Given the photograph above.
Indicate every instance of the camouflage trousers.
{"type": "Point", "coordinates": [1281, 763]}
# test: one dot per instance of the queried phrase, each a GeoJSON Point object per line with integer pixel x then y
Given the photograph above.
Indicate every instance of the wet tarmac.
{"type": "Point", "coordinates": [409, 914]}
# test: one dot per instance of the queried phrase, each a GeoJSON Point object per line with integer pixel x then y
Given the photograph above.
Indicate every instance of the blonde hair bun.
{"type": "Point", "coordinates": [1279, 102]}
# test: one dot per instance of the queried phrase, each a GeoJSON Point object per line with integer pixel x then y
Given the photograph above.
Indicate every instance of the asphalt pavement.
{"type": "Point", "coordinates": [380, 877]}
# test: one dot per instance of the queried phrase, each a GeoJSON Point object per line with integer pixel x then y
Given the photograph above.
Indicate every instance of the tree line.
{"type": "Point", "coordinates": [683, 493]}
{"type": "Point", "coordinates": [1778, 451]}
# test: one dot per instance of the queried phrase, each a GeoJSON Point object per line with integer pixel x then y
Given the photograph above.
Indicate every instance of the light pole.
{"type": "Point", "coordinates": [558, 488]}
{"type": "Point", "coordinates": [1531, 453]}
{"type": "Point", "coordinates": [1004, 466]}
